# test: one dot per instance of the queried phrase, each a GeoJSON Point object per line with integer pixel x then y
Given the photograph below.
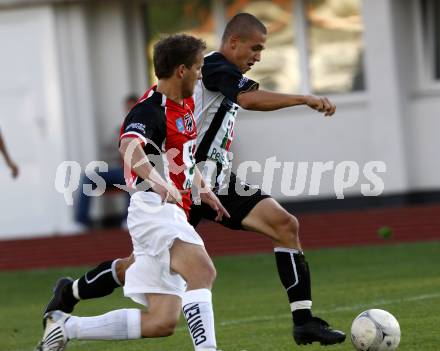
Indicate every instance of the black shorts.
{"type": "Point", "coordinates": [237, 205]}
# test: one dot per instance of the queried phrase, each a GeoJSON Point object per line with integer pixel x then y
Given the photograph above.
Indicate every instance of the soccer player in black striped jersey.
{"type": "Point", "coordinates": [218, 97]}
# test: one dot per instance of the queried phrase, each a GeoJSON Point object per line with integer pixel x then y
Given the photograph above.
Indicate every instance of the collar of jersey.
{"type": "Point", "coordinates": [166, 102]}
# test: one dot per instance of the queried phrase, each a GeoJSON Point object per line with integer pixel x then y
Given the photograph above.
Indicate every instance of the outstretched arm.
{"type": "Point", "coordinates": [262, 100]}
{"type": "Point", "coordinates": [13, 167]}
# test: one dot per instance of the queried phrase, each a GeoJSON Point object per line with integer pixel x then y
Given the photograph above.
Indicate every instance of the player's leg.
{"type": "Point", "coordinates": [160, 320]}
{"type": "Point", "coordinates": [195, 266]}
{"type": "Point", "coordinates": [270, 219]}
{"type": "Point", "coordinates": [185, 268]}
{"type": "Point", "coordinates": [98, 282]}
{"type": "Point", "coordinates": [126, 324]}
{"type": "Point", "coordinates": [189, 260]}
{"type": "Point", "coordinates": [253, 210]}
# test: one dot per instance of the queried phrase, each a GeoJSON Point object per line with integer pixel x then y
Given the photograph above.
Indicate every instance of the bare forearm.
{"type": "Point", "coordinates": [261, 100]}
{"type": "Point", "coordinates": [135, 157]}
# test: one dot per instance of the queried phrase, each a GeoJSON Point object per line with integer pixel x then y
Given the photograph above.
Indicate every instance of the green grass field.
{"type": "Point", "coordinates": [251, 308]}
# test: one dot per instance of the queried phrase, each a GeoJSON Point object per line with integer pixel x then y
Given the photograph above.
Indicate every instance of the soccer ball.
{"type": "Point", "coordinates": [375, 330]}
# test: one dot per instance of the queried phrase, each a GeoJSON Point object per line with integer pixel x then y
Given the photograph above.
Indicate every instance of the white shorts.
{"type": "Point", "coordinates": [153, 228]}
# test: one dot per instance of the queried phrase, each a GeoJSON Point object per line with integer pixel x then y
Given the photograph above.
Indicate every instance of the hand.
{"type": "Point", "coordinates": [209, 198]}
{"type": "Point", "coordinates": [169, 193]}
{"type": "Point", "coordinates": [321, 104]}
{"type": "Point", "coordinates": [14, 169]}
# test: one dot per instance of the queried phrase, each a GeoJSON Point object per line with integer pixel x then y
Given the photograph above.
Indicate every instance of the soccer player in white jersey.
{"type": "Point", "coordinates": [171, 270]}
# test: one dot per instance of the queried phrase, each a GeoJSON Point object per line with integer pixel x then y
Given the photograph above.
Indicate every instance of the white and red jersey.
{"type": "Point", "coordinates": [168, 134]}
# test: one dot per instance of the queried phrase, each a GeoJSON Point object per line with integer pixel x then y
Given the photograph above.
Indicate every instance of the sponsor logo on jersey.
{"type": "Point", "coordinates": [138, 126]}
{"type": "Point", "coordinates": [217, 155]}
{"type": "Point", "coordinates": [242, 82]}
{"type": "Point", "coordinates": [189, 123]}
{"type": "Point", "coordinates": [179, 125]}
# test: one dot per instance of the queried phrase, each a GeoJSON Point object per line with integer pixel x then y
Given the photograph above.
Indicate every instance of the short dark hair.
{"type": "Point", "coordinates": [243, 24]}
{"type": "Point", "coordinates": [173, 51]}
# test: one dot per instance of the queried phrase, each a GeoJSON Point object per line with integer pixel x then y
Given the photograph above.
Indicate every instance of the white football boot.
{"type": "Point", "coordinates": [55, 336]}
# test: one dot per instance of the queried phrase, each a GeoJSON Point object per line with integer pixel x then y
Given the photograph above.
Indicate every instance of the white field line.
{"type": "Point", "coordinates": [358, 307]}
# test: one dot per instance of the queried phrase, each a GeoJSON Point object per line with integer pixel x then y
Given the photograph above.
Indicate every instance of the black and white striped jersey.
{"type": "Point", "coordinates": [215, 112]}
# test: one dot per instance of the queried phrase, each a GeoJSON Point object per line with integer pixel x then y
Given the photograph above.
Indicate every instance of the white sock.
{"type": "Point", "coordinates": [115, 325]}
{"type": "Point", "coordinates": [198, 312]}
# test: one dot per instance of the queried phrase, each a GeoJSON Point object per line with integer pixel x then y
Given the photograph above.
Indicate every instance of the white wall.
{"type": "Point", "coordinates": [424, 141]}
{"type": "Point", "coordinates": [423, 103]}
{"type": "Point", "coordinates": [300, 134]}
{"type": "Point", "coordinates": [65, 70]}
{"type": "Point", "coordinates": [32, 123]}
{"type": "Point", "coordinates": [76, 90]}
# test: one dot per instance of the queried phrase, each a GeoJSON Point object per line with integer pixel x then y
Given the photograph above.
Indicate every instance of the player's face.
{"type": "Point", "coordinates": [191, 76]}
{"type": "Point", "coordinates": [248, 51]}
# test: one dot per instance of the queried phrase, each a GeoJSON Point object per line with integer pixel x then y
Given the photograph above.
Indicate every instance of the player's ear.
{"type": "Point", "coordinates": [180, 70]}
{"type": "Point", "coordinates": [233, 41]}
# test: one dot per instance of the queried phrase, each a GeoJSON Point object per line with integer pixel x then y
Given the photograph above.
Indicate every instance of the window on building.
{"type": "Point", "coordinates": [279, 69]}
{"type": "Point", "coordinates": [437, 43]}
{"type": "Point", "coordinates": [430, 13]}
{"type": "Point", "coordinates": [312, 45]}
{"type": "Point", "coordinates": [175, 16]}
{"type": "Point", "coordinates": [335, 45]}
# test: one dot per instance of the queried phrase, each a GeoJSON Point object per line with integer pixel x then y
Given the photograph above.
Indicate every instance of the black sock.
{"type": "Point", "coordinates": [295, 277]}
{"type": "Point", "coordinates": [99, 282]}
{"type": "Point", "coordinates": [68, 298]}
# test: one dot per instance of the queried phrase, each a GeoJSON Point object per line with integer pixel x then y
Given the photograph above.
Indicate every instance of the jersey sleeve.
{"type": "Point", "coordinates": [227, 79]}
{"type": "Point", "coordinates": [145, 122]}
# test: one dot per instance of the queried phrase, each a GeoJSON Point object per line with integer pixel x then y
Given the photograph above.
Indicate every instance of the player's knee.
{"type": "Point", "coordinates": [292, 224]}
{"type": "Point", "coordinates": [204, 276]}
{"type": "Point", "coordinates": [121, 266]}
{"type": "Point", "coordinates": [287, 228]}
{"type": "Point", "coordinates": [209, 274]}
{"type": "Point", "coordinates": [166, 328]}
{"type": "Point", "coordinates": [160, 326]}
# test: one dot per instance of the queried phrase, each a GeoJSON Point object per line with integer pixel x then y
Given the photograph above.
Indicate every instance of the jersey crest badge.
{"type": "Point", "coordinates": [189, 123]}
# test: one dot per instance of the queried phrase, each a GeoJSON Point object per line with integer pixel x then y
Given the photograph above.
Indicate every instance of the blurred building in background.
{"type": "Point", "coordinates": [67, 65]}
